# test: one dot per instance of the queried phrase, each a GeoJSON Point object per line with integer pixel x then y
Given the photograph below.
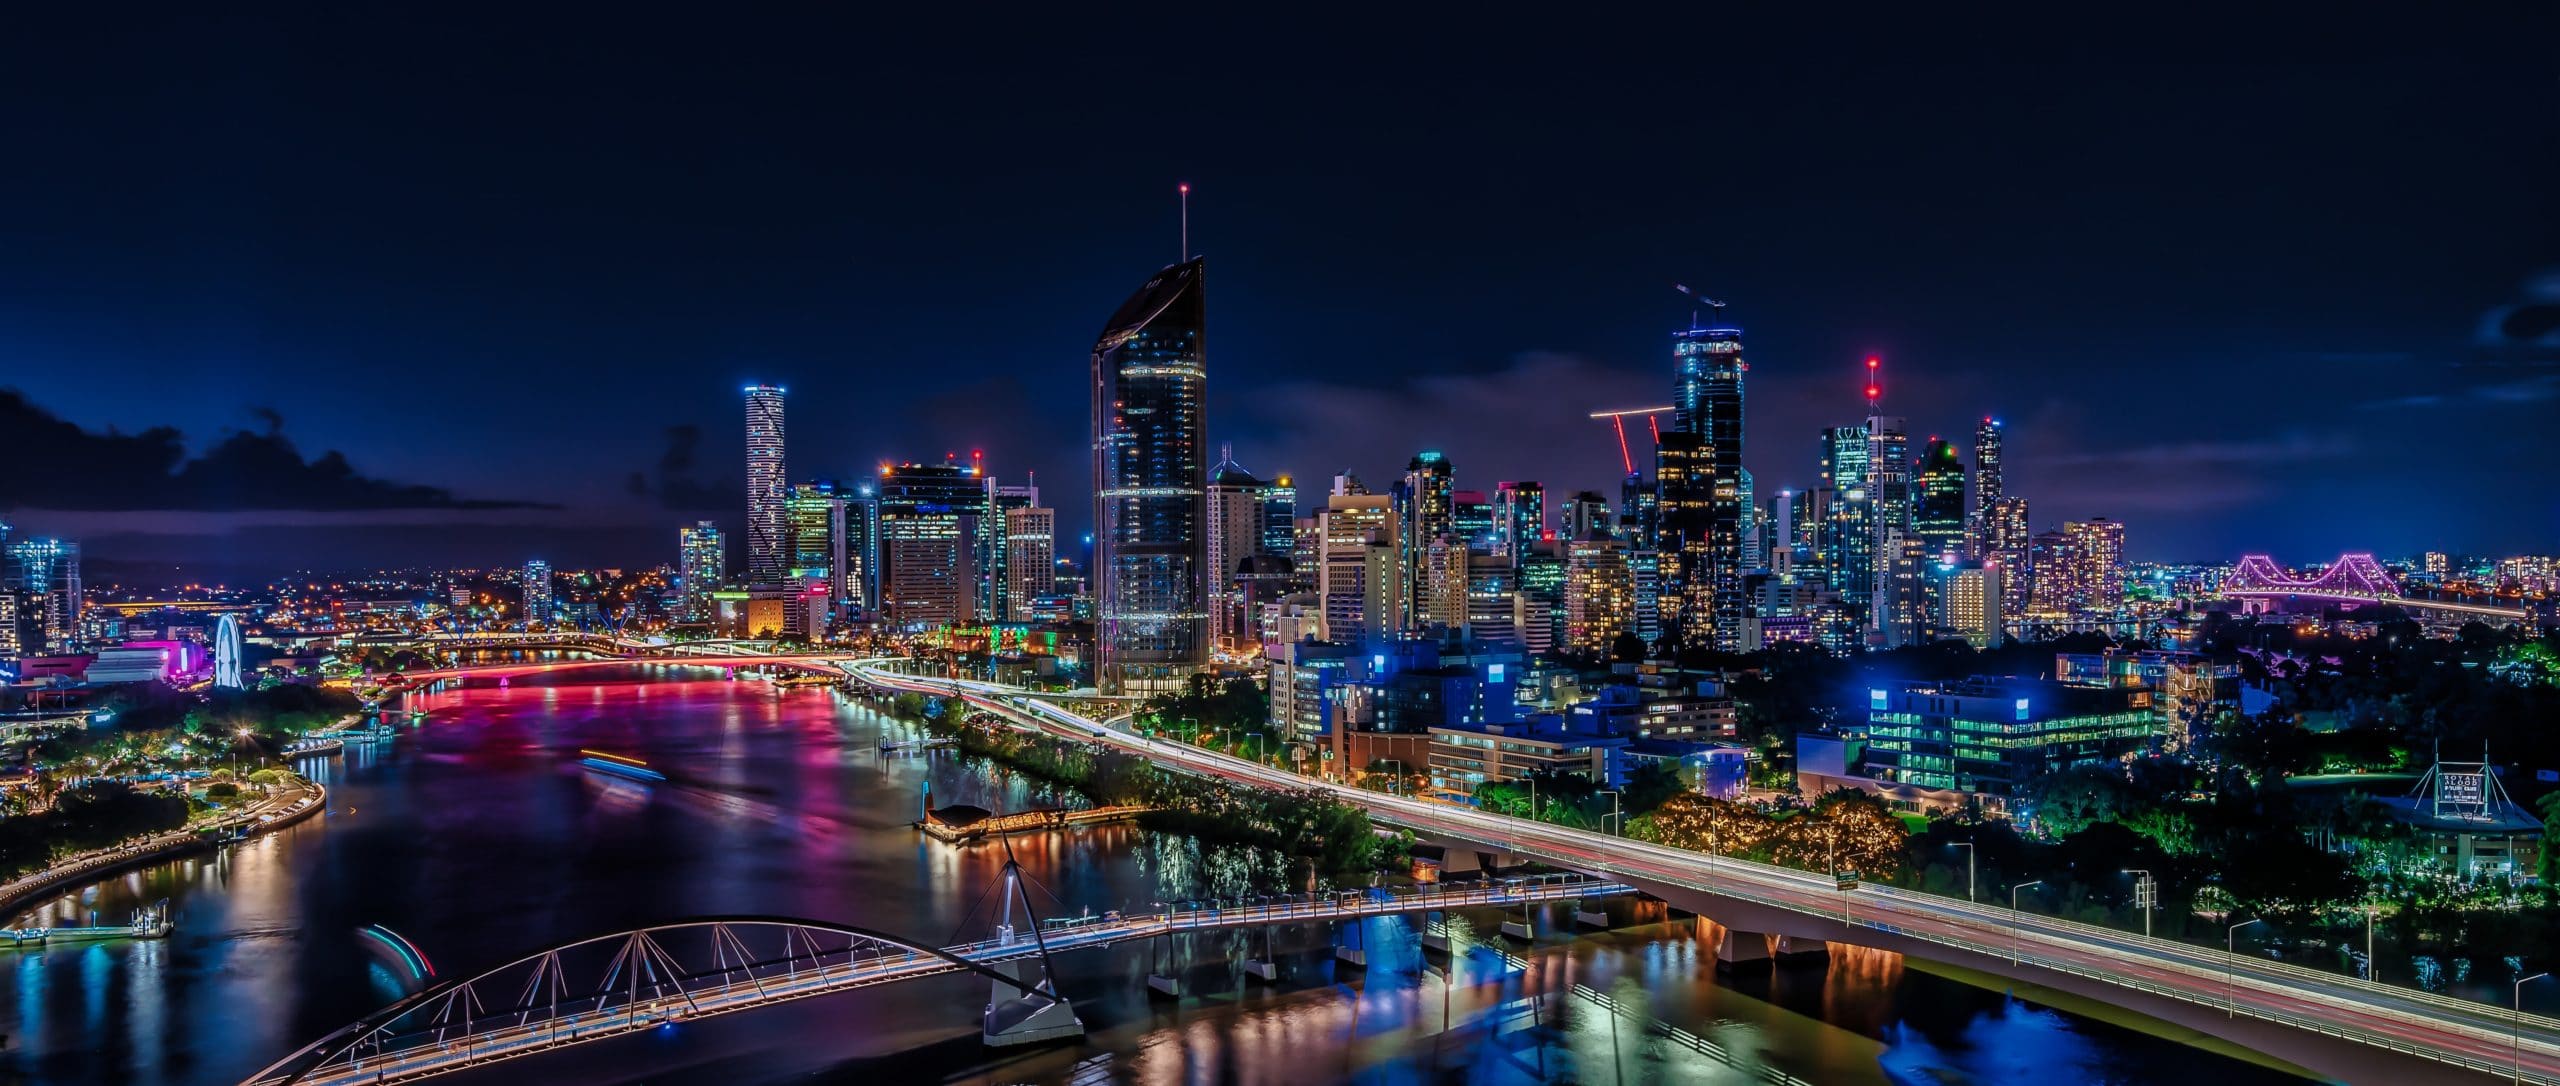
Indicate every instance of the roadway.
{"type": "Point", "coordinates": [2431, 1027]}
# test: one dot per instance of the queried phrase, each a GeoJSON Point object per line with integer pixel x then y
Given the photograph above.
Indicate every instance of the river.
{"type": "Point", "coordinates": [478, 837]}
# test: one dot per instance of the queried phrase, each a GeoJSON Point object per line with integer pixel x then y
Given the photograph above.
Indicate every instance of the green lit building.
{"type": "Point", "coordinates": [1993, 736]}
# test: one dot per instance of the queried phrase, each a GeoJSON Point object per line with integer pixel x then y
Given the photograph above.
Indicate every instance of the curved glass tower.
{"type": "Point", "coordinates": [1150, 462]}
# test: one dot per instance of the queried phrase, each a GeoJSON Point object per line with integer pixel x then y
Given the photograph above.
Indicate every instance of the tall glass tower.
{"type": "Point", "coordinates": [1707, 402]}
{"type": "Point", "coordinates": [768, 518]}
{"type": "Point", "coordinates": [1150, 459]}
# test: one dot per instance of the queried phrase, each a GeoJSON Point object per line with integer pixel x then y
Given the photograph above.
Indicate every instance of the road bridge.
{"type": "Point", "coordinates": [2354, 580]}
{"type": "Point", "coordinates": [2352, 1029]}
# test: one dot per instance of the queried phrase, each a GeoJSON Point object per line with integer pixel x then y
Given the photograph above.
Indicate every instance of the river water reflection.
{"type": "Point", "coordinates": [479, 838]}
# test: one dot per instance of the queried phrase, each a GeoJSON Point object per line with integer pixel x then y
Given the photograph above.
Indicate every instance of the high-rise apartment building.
{"type": "Point", "coordinates": [538, 606]}
{"type": "Point", "coordinates": [702, 563]}
{"type": "Point", "coordinates": [1584, 513]}
{"type": "Point", "coordinates": [1236, 526]}
{"type": "Point", "coordinates": [1966, 602]}
{"type": "Point", "coordinates": [1599, 595]}
{"type": "Point", "coordinates": [2099, 543]}
{"type": "Point", "coordinates": [2008, 543]}
{"type": "Point", "coordinates": [1031, 558]}
{"type": "Point", "coordinates": [1684, 471]}
{"type": "Point", "coordinates": [1360, 569]}
{"type": "Point", "coordinates": [1150, 464]}
{"type": "Point", "coordinates": [768, 520]}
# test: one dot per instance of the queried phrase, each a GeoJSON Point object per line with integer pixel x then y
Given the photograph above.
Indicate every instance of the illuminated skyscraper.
{"type": "Point", "coordinates": [1986, 465]}
{"type": "Point", "coordinates": [1844, 536]}
{"type": "Point", "coordinates": [1684, 469]}
{"type": "Point", "coordinates": [1938, 513]}
{"type": "Point", "coordinates": [1472, 514]}
{"type": "Point", "coordinates": [1150, 461]}
{"type": "Point", "coordinates": [1519, 518]}
{"type": "Point", "coordinates": [1360, 569]}
{"type": "Point", "coordinates": [1425, 511]}
{"type": "Point", "coordinates": [1031, 558]}
{"type": "Point", "coordinates": [1702, 552]}
{"type": "Point", "coordinates": [45, 573]}
{"type": "Point", "coordinates": [2099, 545]}
{"type": "Point", "coordinates": [1966, 597]}
{"type": "Point", "coordinates": [702, 561]}
{"type": "Point", "coordinates": [2008, 544]}
{"type": "Point", "coordinates": [537, 592]}
{"type": "Point", "coordinates": [768, 522]}
{"type": "Point", "coordinates": [931, 518]}
{"type": "Point", "coordinates": [1584, 513]}
{"type": "Point", "coordinates": [1235, 531]}
{"type": "Point", "coordinates": [1599, 595]}
{"type": "Point", "coordinates": [1279, 516]}
{"type": "Point", "coordinates": [815, 513]}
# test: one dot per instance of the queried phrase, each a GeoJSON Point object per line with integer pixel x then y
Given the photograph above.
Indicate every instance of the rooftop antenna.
{"type": "Point", "coordinates": [1698, 300]}
{"type": "Point", "coordinates": [1185, 190]}
{"type": "Point", "coordinates": [1875, 383]}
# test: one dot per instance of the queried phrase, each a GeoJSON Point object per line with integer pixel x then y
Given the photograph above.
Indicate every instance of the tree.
{"type": "Point", "coordinates": [2070, 801]}
{"type": "Point", "coordinates": [1847, 830]}
{"type": "Point", "coordinates": [1650, 786]}
{"type": "Point", "coordinates": [1626, 648]}
{"type": "Point", "coordinates": [1703, 823]}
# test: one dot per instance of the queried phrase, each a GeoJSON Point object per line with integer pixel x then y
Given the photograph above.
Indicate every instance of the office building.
{"type": "Point", "coordinates": [1987, 487]}
{"type": "Point", "coordinates": [1519, 517]}
{"type": "Point", "coordinates": [1150, 467]}
{"type": "Point", "coordinates": [1703, 573]}
{"type": "Point", "coordinates": [931, 521]}
{"type": "Point", "coordinates": [1938, 509]}
{"type": "Point", "coordinates": [1584, 513]}
{"type": "Point", "coordinates": [1280, 517]}
{"type": "Point", "coordinates": [768, 521]}
{"type": "Point", "coordinates": [1684, 472]}
{"type": "Point", "coordinates": [1538, 611]}
{"type": "Point", "coordinates": [1425, 511]}
{"type": "Point", "coordinates": [1235, 508]}
{"type": "Point", "coordinates": [1031, 559]}
{"type": "Point", "coordinates": [702, 564]}
{"type": "Point", "coordinates": [815, 516]}
{"type": "Point", "coordinates": [45, 574]}
{"type": "Point", "coordinates": [1996, 736]}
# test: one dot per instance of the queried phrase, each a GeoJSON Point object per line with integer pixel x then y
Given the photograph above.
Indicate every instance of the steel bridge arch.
{"type": "Point", "coordinates": [330, 1047]}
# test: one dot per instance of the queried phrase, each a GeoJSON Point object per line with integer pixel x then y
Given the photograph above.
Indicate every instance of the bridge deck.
{"type": "Point", "coordinates": [727, 987]}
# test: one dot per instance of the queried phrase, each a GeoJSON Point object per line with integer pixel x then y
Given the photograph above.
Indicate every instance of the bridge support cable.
{"type": "Point", "coordinates": [1036, 1013]}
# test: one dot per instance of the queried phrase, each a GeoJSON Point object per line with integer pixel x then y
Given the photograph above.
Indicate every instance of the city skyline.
{"type": "Point", "coordinates": [2272, 362]}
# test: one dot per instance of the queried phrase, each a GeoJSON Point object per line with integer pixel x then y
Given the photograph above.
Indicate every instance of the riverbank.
{"type": "Point", "coordinates": [1335, 840]}
{"type": "Point", "coordinates": [292, 806]}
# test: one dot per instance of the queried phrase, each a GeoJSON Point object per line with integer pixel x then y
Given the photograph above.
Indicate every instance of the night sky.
{"type": "Point", "coordinates": [2275, 285]}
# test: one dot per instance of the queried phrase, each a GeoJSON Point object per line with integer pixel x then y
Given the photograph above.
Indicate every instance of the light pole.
{"type": "Point", "coordinates": [2013, 917]}
{"type": "Point", "coordinates": [1393, 781]}
{"type": "Point", "coordinates": [2372, 968]}
{"type": "Point", "coordinates": [1617, 812]}
{"type": "Point", "coordinates": [2515, 1038]}
{"type": "Point", "coordinates": [1967, 846]}
{"type": "Point", "coordinates": [2146, 896]}
{"type": "Point", "coordinates": [2231, 969]}
{"type": "Point", "coordinates": [243, 736]}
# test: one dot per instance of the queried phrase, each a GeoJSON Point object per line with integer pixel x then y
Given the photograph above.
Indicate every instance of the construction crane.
{"type": "Point", "coordinates": [1619, 418]}
{"type": "Point", "coordinates": [1713, 305]}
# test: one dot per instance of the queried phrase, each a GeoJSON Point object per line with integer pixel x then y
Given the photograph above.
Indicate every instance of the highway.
{"type": "Point", "coordinates": [2452, 1031]}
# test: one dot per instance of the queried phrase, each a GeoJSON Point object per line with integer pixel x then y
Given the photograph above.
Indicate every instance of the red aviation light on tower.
{"type": "Point", "coordinates": [1875, 381]}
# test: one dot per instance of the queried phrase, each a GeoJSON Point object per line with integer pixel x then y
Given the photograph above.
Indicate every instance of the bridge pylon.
{"type": "Point", "coordinates": [1027, 1009]}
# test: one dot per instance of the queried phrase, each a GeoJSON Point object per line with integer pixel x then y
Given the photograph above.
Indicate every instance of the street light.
{"type": "Point", "coordinates": [1393, 781]}
{"type": "Point", "coordinates": [2013, 917]}
{"type": "Point", "coordinates": [2146, 896]}
{"type": "Point", "coordinates": [1967, 846]}
{"type": "Point", "coordinates": [2231, 969]}
{"type": "Point", "coordinates": [1617, 811]}
{"type": "Point", "coordinates": [2515, 1039]}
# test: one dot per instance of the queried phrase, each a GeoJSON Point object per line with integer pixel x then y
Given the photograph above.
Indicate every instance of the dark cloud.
{"type": "Point", "coordinates": [673, 485]}
{"type": "Point", "coordinates": [55, 464]}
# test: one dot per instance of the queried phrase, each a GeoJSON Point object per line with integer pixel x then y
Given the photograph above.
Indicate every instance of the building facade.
{"type": "Point", "coordinates": [768, 519]}
{"type": "Point", "coordinates": [1150, 462]}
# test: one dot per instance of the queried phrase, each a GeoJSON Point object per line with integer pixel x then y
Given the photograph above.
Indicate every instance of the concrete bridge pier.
{"type": "Point", "coordinates": [1160, 978]}
{"type": "Point", "coordinates": [1591, 915]}
{"type": "Point", "coordinates": [1742, 951]}
{"type": "Point", "coordinates": [1791, 949]}
{"type": "Point", "coordinates": [1435, 932]}
{"type": "Point", "coordinates": [1264, 968]}
{"type": "Point", "coordinates": [1017, 1014]}
{"type": "Point", "coordinates": [1348, 946]}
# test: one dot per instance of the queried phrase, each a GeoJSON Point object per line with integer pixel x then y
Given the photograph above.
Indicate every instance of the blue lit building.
{"type": "Point", "coordinates": [1150, 464]}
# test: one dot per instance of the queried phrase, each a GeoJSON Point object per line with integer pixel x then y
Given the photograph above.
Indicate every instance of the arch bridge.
{"type": "Point", "coordinates": [2352, 580]}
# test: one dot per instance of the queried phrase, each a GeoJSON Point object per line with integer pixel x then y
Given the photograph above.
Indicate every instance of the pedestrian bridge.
{"type": "Point", "coordinates": [630, 982]}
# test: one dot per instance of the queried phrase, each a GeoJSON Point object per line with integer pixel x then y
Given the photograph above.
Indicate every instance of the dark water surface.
{"type": "Point", "coordinates": [479, 837]}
